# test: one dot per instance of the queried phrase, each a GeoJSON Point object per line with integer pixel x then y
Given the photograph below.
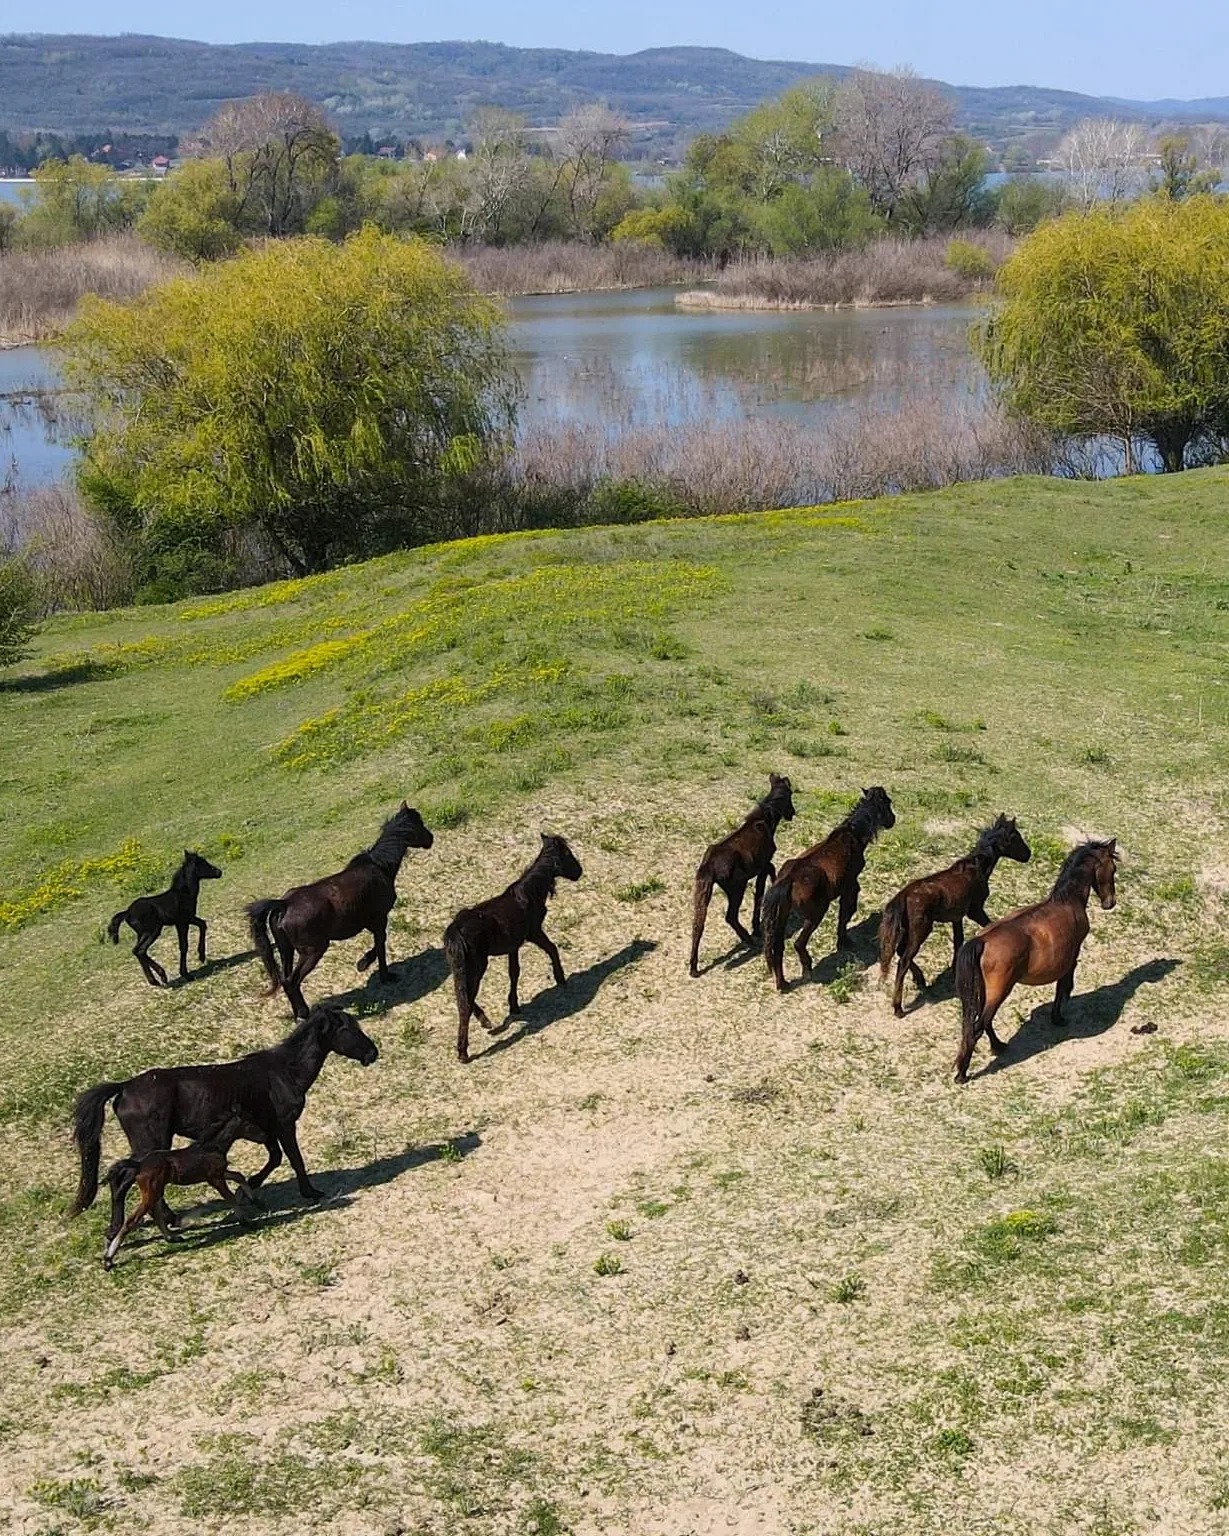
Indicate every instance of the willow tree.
{"type": "Point", "coordinates": [317, 399]}
{"type": "Point", "coordinates": [1117, 324]}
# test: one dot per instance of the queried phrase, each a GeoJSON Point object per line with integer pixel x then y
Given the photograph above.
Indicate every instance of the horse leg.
{"type": "Point", "coordinates": [761, 880]}
{"type": "Point", "coordinates": [514, 976]}
{"type": "Point", "coordinates": [144, 1206]}
{"type": "Point", "coordinates": [552, 954]}
{"type": "Point", "coordinates": [223, 1189]}
{"type": "Point", "coordinates": [1062, 992]}
{"type": "Point", "coordinates": [381, 949]}
{"type": "Point", "coordinates": [120, 1185]}
{"type": "Point", "coordinates": [735, 892]}
{"type": "Point", "coordinates": [996, 996]}
{"type": "Point", "coordinates": [199, 923]}
{"type": "Point", "coordinates": [308, 960]}
{"type": "Point", "coordinates": [154, 974]}
{"type": "Point", "coordinates": [289, 1141]}
{"type": "Point", "coordinates": [181, 932]}
{"type": "Point", "coordinates": [845, 910]}
{"type": "Point", "coordinates": [800, 943]}
{"type": "Point", "coordinates": [274, 1157]}
{"type": "Point", "coordinates": [957, 937]}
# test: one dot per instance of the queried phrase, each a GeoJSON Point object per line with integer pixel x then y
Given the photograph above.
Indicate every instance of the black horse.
{"type": "Point", "coordinates": [149, 915]}
{"type": "Point", "coordinates": [269, 1088]}
{"type": "Point", "coordinates": [307, 919]}
{"type": "Point", "coordinates": [499, 927]}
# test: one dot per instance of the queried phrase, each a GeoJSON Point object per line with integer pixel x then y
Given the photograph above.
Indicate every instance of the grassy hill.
{"type": "Point", "coordinates": [73, 84]}
{"type": "Point", "coordinates": [670, 1253]}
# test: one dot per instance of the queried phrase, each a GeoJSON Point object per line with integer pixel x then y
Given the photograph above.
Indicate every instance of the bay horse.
{"type": "Point", "coordinates": [951, 895]}
{"type": "Point", "coordinates": [826, 873]}
{"type": "Point", "coordinates": [308, 918]}
{"type": "Point", "coordinates": [744, 855]}
{"type": "Point", "coordinates": [149, 915]}
{"type": "Point", "coordinates": [1035, 945]}
{"type": "Point", "coordinates": [204, 1162]}
{"type": "Point", "coordinates": [270, 1088]}
{"type": "Point", "coordinates": [500, 926]}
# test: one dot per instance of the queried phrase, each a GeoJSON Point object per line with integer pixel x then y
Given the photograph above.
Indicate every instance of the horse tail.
{"type": "Point", "coordinates": [703, 895]}
{"type": "Point", "coordinates": [458, 952]}
{"type": "Point", "coordinates": [88, 1114]}
{"type": "Point", "coordinates": [774, 915]}
{"type": "Point", "coordinates": [971, 990]}
{"type": "Point", "coordinates": [260, 915]}
{"type": "Point", "coordinates": [893, 931]}
{"type": "Point", "coordinates": [113, 927]}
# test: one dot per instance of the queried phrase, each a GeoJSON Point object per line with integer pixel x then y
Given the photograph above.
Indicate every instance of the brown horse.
{"type": "Point", "coordinates": [957, 892]}
{"type": "Point", "coordinates": [826, 873]}
{"type": "Point", "coordinates": [743, 856]}
{"type": "Point", "coordinates": [1035, 945]}
{"type": "Point", "coordinates": [307, 919]}
{"type": "Point", "coordinates": [204, 1162]}
{"type": "Point", "coordinates": [499, 927]}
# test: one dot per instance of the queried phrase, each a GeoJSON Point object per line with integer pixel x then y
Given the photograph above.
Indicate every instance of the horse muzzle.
{"type": "Point", "coordinates": [369, 1056]}
{"type": "Point", "coordinates": [1108, 903]}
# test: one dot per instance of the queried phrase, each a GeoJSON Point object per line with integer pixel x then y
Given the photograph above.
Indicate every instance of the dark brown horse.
{"type": "Point", "coordinates": [149, 915]}
{"type": "Point", "coordinates": [1036, 945]}
{"type": "Point", "coordinates": [499, 927]}
{"type": "Point", "coordinates": [743, 856]}
{"type": "Point", "coordinates": [270, 1087]}
{"type": "Point", "coordinates": [826, 873]}
{"type": "Point", "coordinates": [951, 895]}
{"type": "Point", "coordinates": [204, 1162]}
{"type": "Point", "coordinates": [307, 919]}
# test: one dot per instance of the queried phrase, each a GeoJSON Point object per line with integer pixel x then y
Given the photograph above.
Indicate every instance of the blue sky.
{"type": "Point", "coordinates": [1106, 47]}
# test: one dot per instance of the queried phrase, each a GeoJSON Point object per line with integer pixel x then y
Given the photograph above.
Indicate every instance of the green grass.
{"type": "Point", "coordinates": [881, 1294]}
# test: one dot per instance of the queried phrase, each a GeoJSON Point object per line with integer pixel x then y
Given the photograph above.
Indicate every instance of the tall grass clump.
{"type": "Point", "coordinates": [72, 556]}
{"type": "Point", "coordinates": [41, 288]}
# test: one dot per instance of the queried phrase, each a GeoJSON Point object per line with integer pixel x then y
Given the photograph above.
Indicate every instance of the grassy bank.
{"type": "Point", "coordinates": [565, 266]}
{"type": "Point", "coordinates": [670, 1253]}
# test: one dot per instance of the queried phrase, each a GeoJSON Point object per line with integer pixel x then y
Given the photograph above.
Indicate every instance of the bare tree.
{"type": "Point", "coordinates": [588, 138]}
{"type": "Point", "coordinates": [273, 146]}
{"type": "Point", "coordinates": [498, 169]}
{"type": "Point", "coordinates": [1103, 159]}
{"type": "Point", "coordinates": [891, 129]}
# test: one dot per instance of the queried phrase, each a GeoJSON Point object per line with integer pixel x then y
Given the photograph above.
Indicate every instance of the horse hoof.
{"type": "Point", "coordinates": [898, 1011]}
{"type": "Point", "coordinates": [693, 970]}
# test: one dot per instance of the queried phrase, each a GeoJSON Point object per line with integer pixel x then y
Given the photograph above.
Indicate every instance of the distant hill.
{"type": "Point", "coordinates": [79, 84]}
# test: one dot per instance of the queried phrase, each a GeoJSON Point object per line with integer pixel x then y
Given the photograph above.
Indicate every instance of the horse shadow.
{"type": "Point", "coordinates": [412, 980]}
{"type": "Point", "coordinates": [558, 1003]}
{"type": "Point", "coordinates": [1088, 1015]}
{"type": "Point", "coordinates": [281, 1205]}
{"type": "Point", "coordinates": [211, 967]}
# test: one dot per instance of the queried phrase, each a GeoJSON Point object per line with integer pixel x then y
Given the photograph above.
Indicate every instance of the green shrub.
{"type": "Point", "coordinates": [969, 261]}
{"type": "Point", "coordinates": [18, 608]}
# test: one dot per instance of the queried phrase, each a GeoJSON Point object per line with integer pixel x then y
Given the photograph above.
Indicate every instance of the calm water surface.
{"type": "Point", "coordinates": [623, 361]}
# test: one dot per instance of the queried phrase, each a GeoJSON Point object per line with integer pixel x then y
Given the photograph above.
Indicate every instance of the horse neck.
{"type": "Point", "coordinates": [769, 809]}
{"type": "Point", "coordinates": [387, 853]}
{"type": "Point", "coordinates": [302, 1058]}
{"type": "Point", "coordinates": [186, 882]}
{"type": "Point", "coordinates": [537, 884]}
{"type": "Point", "coordinates": [862, 826]}
{"type": "Point", "coordinates": [986, 860]}
{"type": "Point", "coordinates": [1074, 889]}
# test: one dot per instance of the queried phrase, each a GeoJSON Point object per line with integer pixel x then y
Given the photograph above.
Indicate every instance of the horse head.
{"type": "Point", "coordinates": [198, 865]}
{"type": "Point", "coordinates": [563, 860]}
{"type": "Point", "coordinates": [340, 1031]}
{"type": "Point", "coordinates": [781, 793]}
{"type": "Point", "coordinates": [411, 826]}
{"type": "Point", "coordinates": [880, 804]}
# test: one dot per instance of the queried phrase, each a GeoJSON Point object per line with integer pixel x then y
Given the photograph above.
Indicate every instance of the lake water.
{"type": "Point", "coordinates": [627, 360]}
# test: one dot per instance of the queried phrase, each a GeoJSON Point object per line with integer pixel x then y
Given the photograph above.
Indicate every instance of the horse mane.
{"type": "Point", "coordinates": [861, 820]}
{"type": "Point", "coordinates": [1069, 876]}
{"type": "Point", "coordinates": [987, 838]}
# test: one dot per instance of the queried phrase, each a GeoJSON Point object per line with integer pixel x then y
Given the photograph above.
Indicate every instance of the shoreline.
{"type": "Point", "coordinates": [700, 298]}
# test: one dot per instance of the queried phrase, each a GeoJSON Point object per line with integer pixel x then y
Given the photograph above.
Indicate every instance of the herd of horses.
{"type": "Point", "coordinates": [261, 1096]}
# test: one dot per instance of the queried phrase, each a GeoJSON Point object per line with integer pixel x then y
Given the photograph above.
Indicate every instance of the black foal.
{"type": "Point", "coordinates": [149, 915]}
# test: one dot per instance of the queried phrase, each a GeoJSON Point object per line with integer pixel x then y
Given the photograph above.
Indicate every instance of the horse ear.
{"type": "Point", "coordinates": [1113, 845]}
{"type": "Point", "coordinates": [404, 806]}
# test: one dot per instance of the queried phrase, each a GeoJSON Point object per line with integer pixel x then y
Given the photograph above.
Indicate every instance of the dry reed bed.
{"type": "Point", "coordinates": [559, 266]}
{"type": "Point", "coordinates": [40, 289]}
{"type": "Point", "coordinates": [885, 273]}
